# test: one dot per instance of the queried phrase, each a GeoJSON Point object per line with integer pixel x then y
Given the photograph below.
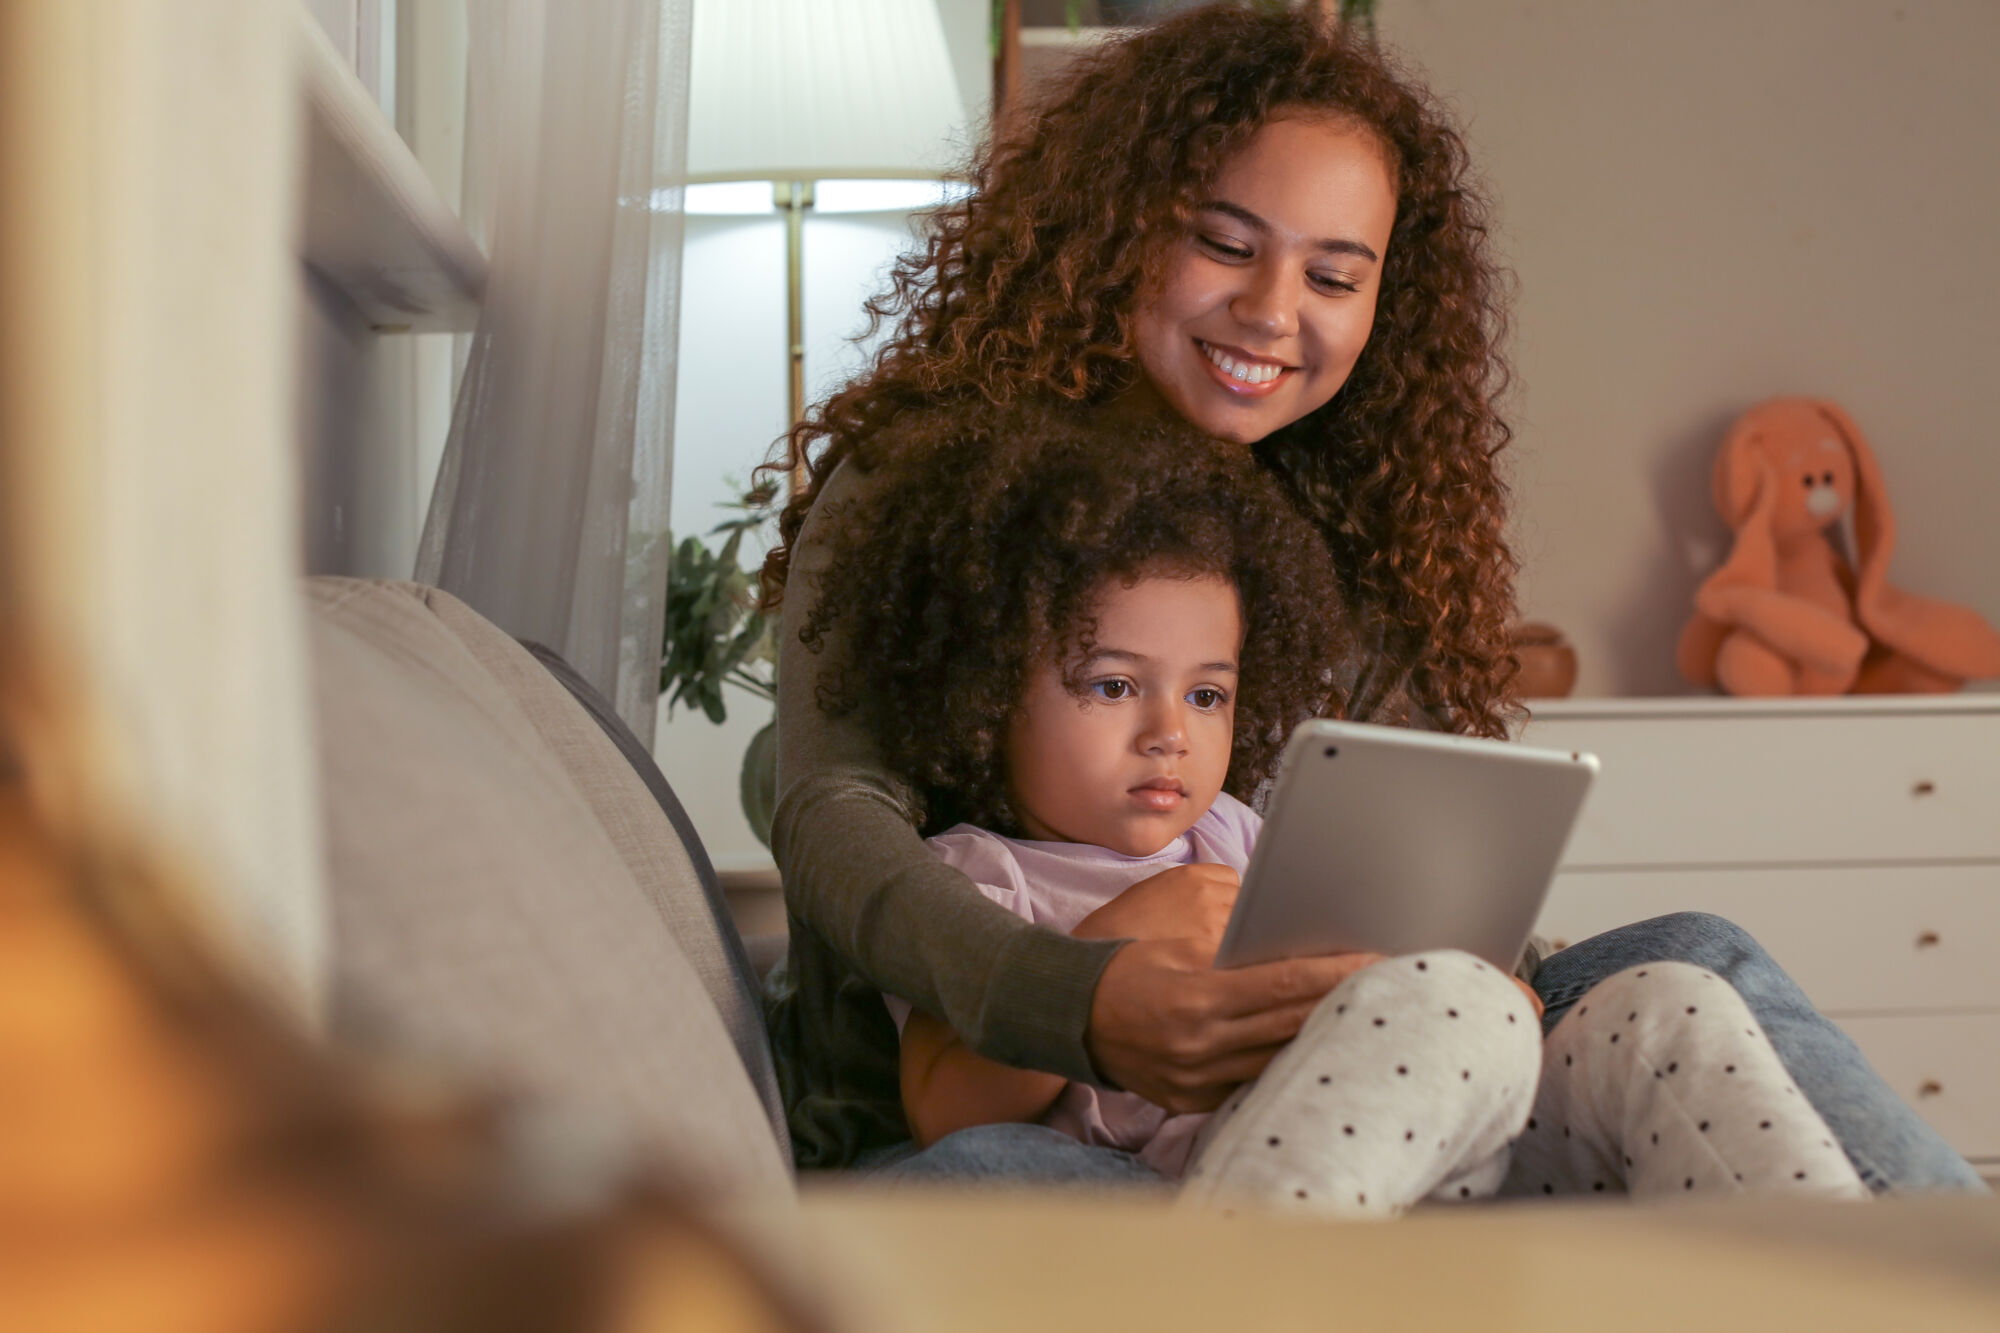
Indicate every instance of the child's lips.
{"type": "Point", "coordinates": [1160, 794]}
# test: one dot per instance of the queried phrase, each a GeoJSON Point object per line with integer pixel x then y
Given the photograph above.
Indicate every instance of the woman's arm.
{"type": "Point", "coordinates": [855, 871]}
{"type": "Point", "coordinates": [946, 1087]}
{"type": "Point", "coordinates": [1151, 1017]}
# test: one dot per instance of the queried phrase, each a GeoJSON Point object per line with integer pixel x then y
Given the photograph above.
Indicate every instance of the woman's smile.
{"type": "Point", "coordinates": [1241, 372]}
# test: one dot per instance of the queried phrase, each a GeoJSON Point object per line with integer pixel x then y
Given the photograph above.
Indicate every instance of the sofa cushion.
{"type": "Point", "coordinates": [645, 822]}
{"type": "Point", "coordinates": [482, 915]}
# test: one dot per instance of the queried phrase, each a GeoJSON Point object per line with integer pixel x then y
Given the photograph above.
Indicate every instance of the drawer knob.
{"type": "Point", "coordinates": [1924, 788]}
{"type": "Point", "coordinates": [1927, 940]}
{"type": "Point", "coordinates": [1930, 1087]}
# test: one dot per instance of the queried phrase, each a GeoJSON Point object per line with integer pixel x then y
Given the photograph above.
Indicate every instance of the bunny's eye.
{"type": "Point", "coordinates": [1808, 479]}
{"type": "Point", "coordinates": [1826, 478]}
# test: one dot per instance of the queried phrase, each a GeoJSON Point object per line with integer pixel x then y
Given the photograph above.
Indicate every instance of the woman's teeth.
{"type": "Point", "coordinates": [1248, 372]}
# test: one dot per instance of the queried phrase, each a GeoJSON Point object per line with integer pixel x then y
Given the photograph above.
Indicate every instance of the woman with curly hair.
{"type": "Point", "coordinates": [1082, 643]}
{"type": "Point", "coordinates": [1249, 221]}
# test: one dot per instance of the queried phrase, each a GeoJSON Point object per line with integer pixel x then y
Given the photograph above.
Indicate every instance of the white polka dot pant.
{"type": "Point", "coordinates": [1660, 1082]}
{"type": "Point", "coordinates": [1408, 1080]}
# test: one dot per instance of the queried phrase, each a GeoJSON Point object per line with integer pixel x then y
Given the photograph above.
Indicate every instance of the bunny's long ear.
{"type": "Point", "coordinates": [1739, 468]}
{"type": "Point", "coordinates": [1745, 494]}
{"type": "Point", "coordinates": [1744, 498]}
{"type": "Point", "coordinates": [1874, 524]}
{"type": "Point", "coordinates": [1951, 640]}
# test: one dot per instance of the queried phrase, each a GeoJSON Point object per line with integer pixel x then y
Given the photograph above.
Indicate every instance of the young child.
{"type": "Point", "coordinates": [1083, 646]}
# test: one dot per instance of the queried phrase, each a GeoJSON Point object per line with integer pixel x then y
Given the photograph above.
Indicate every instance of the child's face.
{"type": "Point", "coordinates": [1137, 752]}
{"type": "Point", "coordinates": [1279, 275]}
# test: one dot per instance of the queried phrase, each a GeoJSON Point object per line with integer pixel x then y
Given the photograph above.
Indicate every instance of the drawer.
{"type": "Point", "coordinates": [1853, 937]}
{"type": "Point", "coordinates": [1785, 788]}
{"type": "Point", "coordinates": [1945, 1065]}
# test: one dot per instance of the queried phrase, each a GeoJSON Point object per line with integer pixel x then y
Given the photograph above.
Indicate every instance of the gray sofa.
{"type": "Point", "coordinates": [518, 898]}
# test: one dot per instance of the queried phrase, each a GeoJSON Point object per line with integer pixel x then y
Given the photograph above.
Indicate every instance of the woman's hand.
{"type": "Point", "coordinates": [1170, 1027]}
{"type": "Point", "coordinates": [1190, 902]}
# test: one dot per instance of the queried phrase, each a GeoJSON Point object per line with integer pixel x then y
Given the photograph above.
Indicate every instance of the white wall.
{"type": "Point", "coordinates": [731, 403]}
{"type": "Point", "coordinates": [1708, 203]}
{"type": "Point", "coordinates": [730, 410]}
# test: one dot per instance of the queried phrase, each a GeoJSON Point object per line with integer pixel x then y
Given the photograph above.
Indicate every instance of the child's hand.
{"type": "Point", "coordinates": [1185, 903]}
{"type": "Point", "coordinates": [1534, 997]}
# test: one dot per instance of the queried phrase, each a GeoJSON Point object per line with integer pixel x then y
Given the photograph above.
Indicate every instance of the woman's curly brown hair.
{"type": "Point", "coordinates": [977, 559]}
{"type": "Point", "coordinates": [1026, 290]}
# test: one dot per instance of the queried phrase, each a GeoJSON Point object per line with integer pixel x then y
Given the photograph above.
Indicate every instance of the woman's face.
{"type": "Point", "coordinates": [1263, 308]}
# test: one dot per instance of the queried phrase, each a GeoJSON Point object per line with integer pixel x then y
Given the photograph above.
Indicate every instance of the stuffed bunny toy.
{"type": "Point", "coordinates": [1786, 614]}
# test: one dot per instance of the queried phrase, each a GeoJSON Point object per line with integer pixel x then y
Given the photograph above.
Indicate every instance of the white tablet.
{"type": "Point", "coordinates": [1393, 841]}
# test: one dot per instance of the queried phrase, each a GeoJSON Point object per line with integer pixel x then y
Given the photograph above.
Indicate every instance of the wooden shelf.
{"type": "Point", "coordinates": [1979, 698]}
{"type": "Point", "coordinates": [1063, 37]}
{"type": "Point", "coordinates": [373, 225]}
{"type": "Point", "coordinates": [1046, 52]}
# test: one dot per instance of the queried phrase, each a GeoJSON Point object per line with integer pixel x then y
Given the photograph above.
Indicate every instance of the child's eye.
{"type": "Point", "coordinates": [1111, 689]}
{"type": "Point", "coordinates": [1329, 282]}
{"type": "Point", "coordinates": [1222, 248]}
{"type": "Point", "coordinates": [1207, 698]}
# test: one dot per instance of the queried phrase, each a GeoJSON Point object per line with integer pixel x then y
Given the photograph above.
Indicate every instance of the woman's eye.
{"type": "Point", "coordinates": [1112, 689]}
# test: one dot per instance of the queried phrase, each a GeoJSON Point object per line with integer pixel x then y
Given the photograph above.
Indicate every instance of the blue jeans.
{"type": "Point", "coordinates": [1890, 1146]}
{"type": "Point", "coordinates": [1012, 1155]}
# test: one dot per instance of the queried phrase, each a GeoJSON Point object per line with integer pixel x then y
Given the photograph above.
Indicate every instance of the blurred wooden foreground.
{"type": "Point", "coordinates": [970, 1264]}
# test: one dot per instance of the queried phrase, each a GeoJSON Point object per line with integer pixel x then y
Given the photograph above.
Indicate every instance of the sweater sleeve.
{"type": "Point", "coordinates": [856, 872]}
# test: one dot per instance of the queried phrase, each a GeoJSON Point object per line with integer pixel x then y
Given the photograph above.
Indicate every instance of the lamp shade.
{"type": "Point", "coordinates": [806, 89]}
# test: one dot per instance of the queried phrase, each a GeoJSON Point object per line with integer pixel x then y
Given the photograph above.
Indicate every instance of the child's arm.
{"type": "Point", "coordinates": [946, 1087]}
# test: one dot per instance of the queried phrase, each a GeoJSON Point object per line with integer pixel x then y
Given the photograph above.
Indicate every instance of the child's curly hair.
{"type": "Point", "coordinates": [977, 558]}
{"type": "Point", "coordinates": [1027, 288]}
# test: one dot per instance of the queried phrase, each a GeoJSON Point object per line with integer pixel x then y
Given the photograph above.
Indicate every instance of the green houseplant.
{"type": "Point", "coordinates": [715, 636]}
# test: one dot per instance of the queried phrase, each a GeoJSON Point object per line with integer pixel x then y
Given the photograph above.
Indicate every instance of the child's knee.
{"type": "Point", "coordinates": [1443, 985]}
{"type": "Point", "coordinates": [1443, 998]}
{"type": "Point", "coordinates": [1675, 1002]}
{"type": "Point", "coordinates": [1670, 986]}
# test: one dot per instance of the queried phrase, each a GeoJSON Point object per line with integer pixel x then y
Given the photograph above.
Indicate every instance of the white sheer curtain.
{"type": "Point", "coordinates": [551, 507]}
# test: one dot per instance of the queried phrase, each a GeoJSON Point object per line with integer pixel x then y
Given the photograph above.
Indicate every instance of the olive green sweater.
{"type": "Point", "coordinates": [870, 909]}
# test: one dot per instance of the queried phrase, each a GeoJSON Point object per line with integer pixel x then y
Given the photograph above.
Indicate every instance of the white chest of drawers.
{"type": "Point", "coordinates": [1858, 839]}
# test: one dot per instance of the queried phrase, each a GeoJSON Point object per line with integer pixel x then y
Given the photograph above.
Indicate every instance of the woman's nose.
{"type": "Point", "coordinates": [1268, 301]}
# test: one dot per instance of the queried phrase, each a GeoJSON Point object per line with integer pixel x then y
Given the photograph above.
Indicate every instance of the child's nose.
{"type": "Point", "coordinates": [1165, 733]}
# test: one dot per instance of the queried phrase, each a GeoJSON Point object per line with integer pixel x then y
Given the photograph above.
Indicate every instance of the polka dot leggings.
{"type": "Point", "coordinates": [1660, 1082]}
{"type": "Point", "coordinates": [1426, 1077]}
{"type": "Point", "coordinates": [1409, 1079]}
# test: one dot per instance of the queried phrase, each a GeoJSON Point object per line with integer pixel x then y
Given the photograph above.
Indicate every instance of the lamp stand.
{"type": "Point", "coordinates": [793, 198]}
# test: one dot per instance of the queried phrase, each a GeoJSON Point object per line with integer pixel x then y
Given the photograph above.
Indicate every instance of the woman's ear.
{"type": "Point", "coordinates": [1874, 525]}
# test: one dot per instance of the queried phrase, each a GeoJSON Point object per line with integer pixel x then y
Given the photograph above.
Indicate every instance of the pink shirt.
{"type": "Point", "coordinates": [1057, 884]}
